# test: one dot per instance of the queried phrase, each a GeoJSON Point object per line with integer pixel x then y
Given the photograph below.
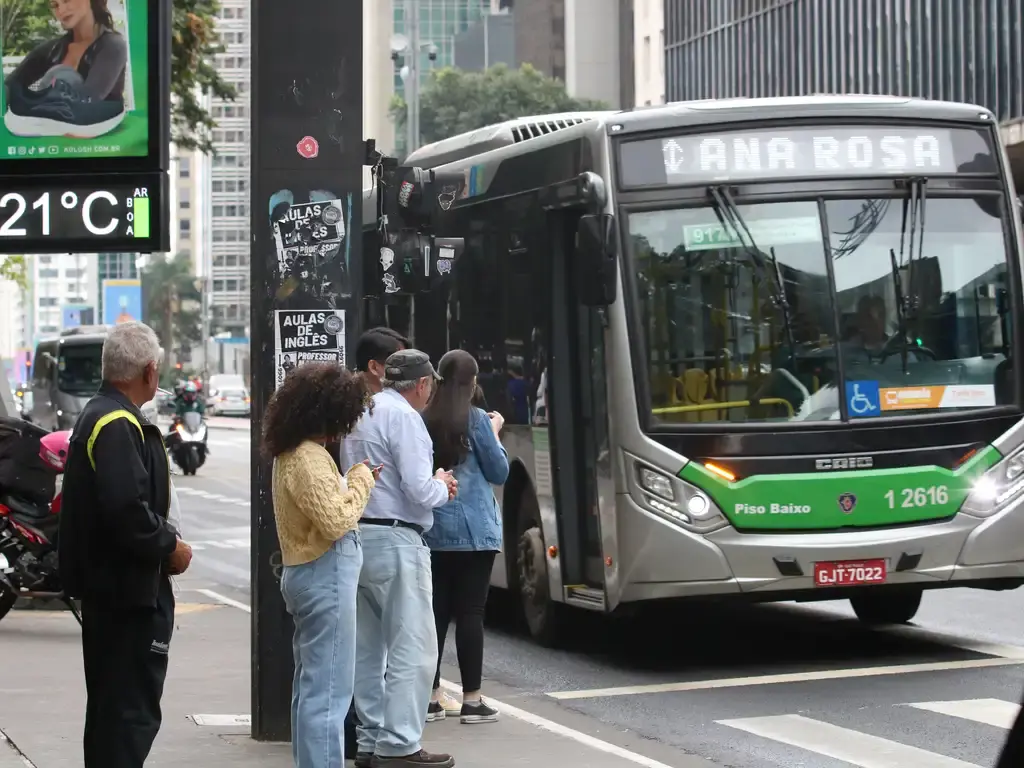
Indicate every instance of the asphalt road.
{"type": "Point", "coordinates": [781, 686]}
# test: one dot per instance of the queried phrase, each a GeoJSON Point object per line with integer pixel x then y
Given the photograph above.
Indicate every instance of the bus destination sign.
{"type": "Point", "coordinates": [802, 152]}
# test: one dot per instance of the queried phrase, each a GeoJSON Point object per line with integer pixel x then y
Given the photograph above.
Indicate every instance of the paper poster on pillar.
{"type": "Point", "coordinates": [311, 240]}
{"type": "Point", "coordinates": [307, 336]}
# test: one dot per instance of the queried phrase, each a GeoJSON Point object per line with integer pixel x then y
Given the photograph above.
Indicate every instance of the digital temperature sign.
{"type": "Point", "coordinates": [116, 212]}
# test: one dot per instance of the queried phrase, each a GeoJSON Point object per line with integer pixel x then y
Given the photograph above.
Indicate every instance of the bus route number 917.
{"type": "Point", "coordinates": [909, 498]}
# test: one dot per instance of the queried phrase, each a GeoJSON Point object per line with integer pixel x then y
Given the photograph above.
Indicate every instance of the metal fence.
{"type": "Point", "coordinates": [937, 49]}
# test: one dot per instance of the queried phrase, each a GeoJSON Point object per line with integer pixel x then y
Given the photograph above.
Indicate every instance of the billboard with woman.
{"type": "Point", "coordinates": [75, 78]}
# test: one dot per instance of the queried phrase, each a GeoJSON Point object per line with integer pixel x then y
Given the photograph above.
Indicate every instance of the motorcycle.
{"type": "Point", "coordinates": [187, 442]}
{"type": "Point", "coordinates": [28, 538]}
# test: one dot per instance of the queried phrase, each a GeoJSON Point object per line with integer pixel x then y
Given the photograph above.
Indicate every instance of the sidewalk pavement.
{"type": "Point", "coordinates": [42, 702]}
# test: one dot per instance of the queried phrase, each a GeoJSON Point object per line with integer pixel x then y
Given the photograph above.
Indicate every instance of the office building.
{"type": "Point", "coordinates": [587, 44]}
{"type": "Point", "coordinates": [58, 280]}
{"type": "Point", "coordinates": [490, 41]}
{"type": "Point", "coordinates": [210, 194]}
{"type": "Point", "coordinates": [649, 52]}
{"type": "Point", "coordinates": [378, 76]}
{"type": "Point", "coordinates": [14, 331]}
{"type": "Point", "coordinates": [440, 21]}
{"type": "Point", "coordinates": [967, 52]}
{"type": "Point", "coordinates": [540, 35]}
{"type": "Point", "coordinates": [113, 266]}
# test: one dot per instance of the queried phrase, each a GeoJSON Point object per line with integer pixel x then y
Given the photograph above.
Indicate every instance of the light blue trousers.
{"type": "Point", "coordinates": [321, 598]}
{"type": "Point", "coordinates": [395, 634]}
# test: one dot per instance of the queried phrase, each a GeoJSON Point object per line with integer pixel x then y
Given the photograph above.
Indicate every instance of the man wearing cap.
{"type": "Point", "coordinates": [395, 631]}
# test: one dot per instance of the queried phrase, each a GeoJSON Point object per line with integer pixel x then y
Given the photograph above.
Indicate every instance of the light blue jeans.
{"type": "Point", "coordinates": [321, 598]}
{"type": "Point", "coordinates": [395, 634]}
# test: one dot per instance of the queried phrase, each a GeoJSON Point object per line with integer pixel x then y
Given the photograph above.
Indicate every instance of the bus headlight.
{"type": "Point", "coordinates": [673, 498]}
{"type": "Point", "coordinates": [1001, 485]}
{"type": "Point", "coordinates": [656, 483]}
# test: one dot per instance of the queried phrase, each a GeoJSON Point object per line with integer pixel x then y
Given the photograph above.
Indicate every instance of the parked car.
{"type": "Point", "coordinates": [229, 401]}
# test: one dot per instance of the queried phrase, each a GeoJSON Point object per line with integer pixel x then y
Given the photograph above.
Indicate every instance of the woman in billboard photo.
{"type": "Point", "coordinates": [73, 84]}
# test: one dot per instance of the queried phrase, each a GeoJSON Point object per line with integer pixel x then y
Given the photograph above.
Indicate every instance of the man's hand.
{"type": "Point", "coordinates": [497, 422]}
{"type": "Point", "coordinates": [180, 559]}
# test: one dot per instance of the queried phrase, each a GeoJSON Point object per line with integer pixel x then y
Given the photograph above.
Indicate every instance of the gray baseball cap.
{"type": "Point", "coordinates": [409, 365]}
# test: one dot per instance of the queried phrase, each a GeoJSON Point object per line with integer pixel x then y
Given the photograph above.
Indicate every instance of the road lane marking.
{"type": "Point", "coordinates": [225, 600]}
{"type": "Point", "coordinates": [12, 749]}
{"type": "Point", "coordinates": [794, 677]}
{"type": "Point", "coordinates": [995, 712]}
{"type": "Point", "coordinates": [860, 749]}
{"type": "Point", "coordinates": [520, 714]}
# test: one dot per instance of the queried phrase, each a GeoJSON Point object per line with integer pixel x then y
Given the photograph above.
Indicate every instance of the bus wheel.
{"type": "Point", "coordinates": [887, 608]}
{"type": "Point", "coordinates": [543, 616]}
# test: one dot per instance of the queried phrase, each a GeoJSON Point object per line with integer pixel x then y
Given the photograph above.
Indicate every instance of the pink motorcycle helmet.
{"type": "Point", "coordinates": [53, 449]}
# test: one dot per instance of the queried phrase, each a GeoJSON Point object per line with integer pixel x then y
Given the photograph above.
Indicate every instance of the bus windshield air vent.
{"type": "Point", "coordinates": [493, 137]}
{"type": "Point", "coordinates": [533, 128]}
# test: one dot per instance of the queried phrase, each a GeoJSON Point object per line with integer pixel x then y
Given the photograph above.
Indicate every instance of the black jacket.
{"type": "Point", "coordinates": [114, 537]}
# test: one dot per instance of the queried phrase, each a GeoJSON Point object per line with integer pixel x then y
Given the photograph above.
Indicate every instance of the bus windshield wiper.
{"type": "Point", "coordinates": [729, 213]}
{"type": "Point", "coordinates": [914, 214]}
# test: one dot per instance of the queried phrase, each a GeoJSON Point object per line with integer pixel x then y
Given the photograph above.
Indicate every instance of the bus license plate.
{"type": "Point", "coordinates": [850, 573]}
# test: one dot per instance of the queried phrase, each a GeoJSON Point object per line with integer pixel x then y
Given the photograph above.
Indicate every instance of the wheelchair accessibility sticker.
{"type": "Point", "coordinates": [863, 399]}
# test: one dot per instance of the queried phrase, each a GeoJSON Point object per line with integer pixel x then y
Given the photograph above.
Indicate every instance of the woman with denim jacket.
{"type": "Point", "coordinates": [466, 534]}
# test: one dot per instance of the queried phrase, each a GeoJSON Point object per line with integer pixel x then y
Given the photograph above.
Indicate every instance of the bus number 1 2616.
{"type": "Point", "coordinates": [918, 497]}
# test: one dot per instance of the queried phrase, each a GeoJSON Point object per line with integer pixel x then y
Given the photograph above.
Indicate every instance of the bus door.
{"type": "Point", "coordinates": [578, 420]}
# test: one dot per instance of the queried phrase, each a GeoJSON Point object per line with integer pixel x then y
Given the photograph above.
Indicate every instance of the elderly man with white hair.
{"type": "Point", "coordinates": [117, 550]}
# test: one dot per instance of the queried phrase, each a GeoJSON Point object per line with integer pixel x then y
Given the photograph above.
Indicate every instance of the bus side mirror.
{"type": "Point", "coordinates": [594, 260]}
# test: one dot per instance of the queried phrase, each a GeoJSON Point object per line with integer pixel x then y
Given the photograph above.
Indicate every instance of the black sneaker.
{"type": "Point", "coordinates": [61, 109]}
{"type": "Point", "coordinates": [477, 712]}
{"type": "Point", "coordinates": [363, 760]}
{"type": "Point", "coordinates": [421, 758]}
{"type": "Point", "coordinates": [435, 712]}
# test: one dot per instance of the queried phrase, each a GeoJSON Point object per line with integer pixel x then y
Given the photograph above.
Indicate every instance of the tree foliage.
{"type": "Point", "coordinates": [454, 101]}
{"type": "Point", "coordinates": [13, 268]}
{"type": "Point", "coordinates": [194, 42]}
{"type": "Point", "coordinates": [23, 23]}
{"type": "Point", "coordinates": [170, 295]}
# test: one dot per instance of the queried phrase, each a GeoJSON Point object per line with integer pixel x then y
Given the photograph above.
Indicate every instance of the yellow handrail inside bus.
{"type": "Point", "coordinates": [717, 406]}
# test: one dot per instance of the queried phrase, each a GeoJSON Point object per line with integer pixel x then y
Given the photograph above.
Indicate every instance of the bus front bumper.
{"type": "Point", "coordinates": [660, 560]}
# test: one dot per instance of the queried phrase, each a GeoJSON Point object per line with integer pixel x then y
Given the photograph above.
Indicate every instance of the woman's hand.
{"type": "Point", "coordinates": [375, 470]}
{"type": "Point", "coordinates": [449, 480]}
{"type": "Point", "coordinates": [497, 421]}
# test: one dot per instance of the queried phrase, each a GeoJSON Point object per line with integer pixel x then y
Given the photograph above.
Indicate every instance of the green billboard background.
{"type": "Point", "coordinates": [26, 24]}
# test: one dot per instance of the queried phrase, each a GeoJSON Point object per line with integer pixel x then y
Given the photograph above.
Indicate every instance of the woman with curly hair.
{"type": "Point", "coordinates": [317, 511]}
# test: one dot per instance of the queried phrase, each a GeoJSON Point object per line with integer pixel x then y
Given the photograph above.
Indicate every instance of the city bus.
{"type": "Point", "coordinates": [746, 349]}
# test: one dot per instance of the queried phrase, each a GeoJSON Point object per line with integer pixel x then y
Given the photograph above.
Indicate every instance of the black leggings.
{"type": "Point", "coordinates": [461, 581]}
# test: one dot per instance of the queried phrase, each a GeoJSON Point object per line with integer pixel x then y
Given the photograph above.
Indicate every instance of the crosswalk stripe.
{"type": "Point", "coordinates": [839, 743]}
{"type": "Point", "coordinates": [1000, 714]}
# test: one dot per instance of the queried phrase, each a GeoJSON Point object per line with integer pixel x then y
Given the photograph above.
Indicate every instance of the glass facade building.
{"type": "Point", "coordinates": [934, 49]}
{"type": "Point", "coordinates": [439, 22]}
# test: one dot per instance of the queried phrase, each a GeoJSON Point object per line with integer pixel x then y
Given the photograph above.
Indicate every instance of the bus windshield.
{"type": "Point", "coordinates": [79, 369]}
{"type": "Point", "coordinates": [820, 311]}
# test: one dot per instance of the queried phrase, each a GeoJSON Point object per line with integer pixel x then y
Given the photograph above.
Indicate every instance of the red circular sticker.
{"type": "Point", "coordinates": [308, 147]}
